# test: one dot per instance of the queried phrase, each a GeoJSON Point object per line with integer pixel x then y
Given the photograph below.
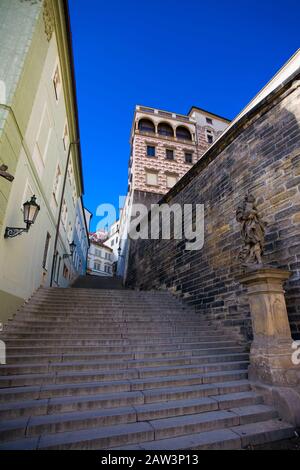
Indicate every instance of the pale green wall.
{"type": "Point", "coordinates": [8, 305]}
{"type": "Point", "coordinates": [21, 270]}
{"type": "Point", "coordinates": [17, 26]}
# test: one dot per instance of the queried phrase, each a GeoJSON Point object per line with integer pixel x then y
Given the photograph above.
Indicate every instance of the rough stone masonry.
{"type": "Point", "coordinates": [259, 154]}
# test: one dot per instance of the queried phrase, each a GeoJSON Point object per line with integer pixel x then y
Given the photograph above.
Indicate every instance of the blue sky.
{"type": "Point", "coordinates": [169, 54]}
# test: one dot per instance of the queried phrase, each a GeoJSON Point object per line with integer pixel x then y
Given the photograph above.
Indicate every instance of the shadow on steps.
{"type": "Point", "coordinates": [98, 282]}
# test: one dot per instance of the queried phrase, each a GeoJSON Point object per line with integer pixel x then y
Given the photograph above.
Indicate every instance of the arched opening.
{"type": "Point", "coordinates": [165, 129]}
{"type": "Point", "coordinates": [183, 133]}
{"type": "Point", "coordinates": [145, 125]}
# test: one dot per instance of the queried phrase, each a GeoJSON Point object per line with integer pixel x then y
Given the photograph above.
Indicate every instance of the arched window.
{"type": "Point", "coordinates": [165, 129]}
{"type": "Point", "coordinates": [183, 133]}
{"type": "Point", "coordinates": [145, 125]}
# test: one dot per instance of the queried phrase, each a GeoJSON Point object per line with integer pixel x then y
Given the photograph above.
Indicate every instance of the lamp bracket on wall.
{"type": "Point", "coordinates": [30, 212]}
{"type": "Point", "coordinates": [5, 174]}
{"type": "Point", "coordinates": [11, 232]}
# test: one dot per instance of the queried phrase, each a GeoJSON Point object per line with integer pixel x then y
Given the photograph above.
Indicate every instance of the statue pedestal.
{"type": "Point", "coordinates": [271, 350]}
{"type": "Point", "coordinates": [271, 369]}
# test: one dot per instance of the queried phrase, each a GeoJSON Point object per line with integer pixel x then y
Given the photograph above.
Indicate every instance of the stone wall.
{"type": "Point", "coordinates": [260, 153]}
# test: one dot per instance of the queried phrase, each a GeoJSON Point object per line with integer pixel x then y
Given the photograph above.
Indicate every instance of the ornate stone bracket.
{"type": "Point", "coordinates": [4, 173]}
{"type": "Point", "coordinates": [48, 19]}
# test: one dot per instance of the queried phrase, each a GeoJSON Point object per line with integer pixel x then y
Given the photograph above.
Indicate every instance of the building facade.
{"type": "Point", "coordinates": [39, 148]}
{"type": "Point", "coordinates": [113, 240]}
{"type": "Point", "coordinates": [81, 239]}
{"type": "Point", "coordinates": [100, 259]}
{"type": "Point", "coordinates": [164, 146]}
{"type": "Point", "coordinates": [258, 154]}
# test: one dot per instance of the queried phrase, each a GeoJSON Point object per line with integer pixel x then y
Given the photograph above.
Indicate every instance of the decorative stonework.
{"type": "Point", "coordinates": [32, 2]}
{"type": "Point", "coordinates": [48, 19]}
{"type": "Point", "coordinates": [253, 232]}
{"type": "Point", "coordinates": [272, 371]}
{"type": "Point", "coordinates": [271, 350]}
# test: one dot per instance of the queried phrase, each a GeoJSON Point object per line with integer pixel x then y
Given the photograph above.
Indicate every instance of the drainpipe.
{"type": "Point", "coordinates": [197, 142]}
{"type": "Point", "coordinates": [59, 213]}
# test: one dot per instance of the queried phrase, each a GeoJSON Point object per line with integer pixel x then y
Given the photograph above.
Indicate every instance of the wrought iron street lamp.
{"type": "Point", "coordinates": [30, 212]}
{"type": "Point", "coordinates": [72, 249]}
{"type": "Point", "coordinates": [119, 252]}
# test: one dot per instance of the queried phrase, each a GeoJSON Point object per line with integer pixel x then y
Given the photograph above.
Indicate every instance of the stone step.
{"type": "Point", "coordinates": [137, 324]}
{"type": "Point", "coordinates": [132, 433]}
{"type": "Point", "coordinates": [120, 338]}
{"type": "Point", "coordinates": [180, 342]}
{"type": "Point", "coordinates": [111, 317]}
{"type": "Point", "coordinates": [139, 352]}
{"type": "Point", "coordinates": [234, 438]}
{"type": "Point", "coordinates": [86, 390]}
{"type": "Point", "coordinates": [38, 407]}
{"type": "Point", "coordinates": [112, 329]}
{"type": "Point", "coordinates": [113, 379]}
{"type": "Point", "coordinates": [92, 305]}
{"type": "Point", "coordinates": [114, 360]}
{"type": "Point", "coordinates": [62, 422]}
{"type": "Point", "coordinates": [192, 364]}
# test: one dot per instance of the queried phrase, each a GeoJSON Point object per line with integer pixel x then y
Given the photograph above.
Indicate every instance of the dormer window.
{"type": "Point", "coordinates": [209, 136]}
{"type": "Point", "coordinates": [57, 83]}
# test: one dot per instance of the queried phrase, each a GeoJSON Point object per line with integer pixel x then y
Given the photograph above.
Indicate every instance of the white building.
{"type": "Point", "coordinates": [100, 259]}
{"type": "Point", "coordinates": [113, 240]}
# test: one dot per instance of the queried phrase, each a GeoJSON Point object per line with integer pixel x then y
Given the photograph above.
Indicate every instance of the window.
{"type": "Point", "coordinates": [70, 171]}
{"type": "Point", "coordinates": [209, 136]}
{"type": "Point", "coordinates": [64, 214]}
{"type": "Point", "coordinates": [145, 125]}
{"type": "Point", "coordinates": [46, 250]}
{"type": "Point", "coordinates": [151, 178]}
{"type": "Point", "coordinates": [188, 157]}
{"type": "Point", "coordinates": [42, 139]}
{"type": "Point", "coordinates": [183, 133]}
{"type": "Point", "coordinates": [165, 129]}
{"type": "Point", "coordinates": [169, 154]}
{"type": "Point", "coordinates": [66, 137]}
{"type": "Point", "coordinates": [171, 180]}
{"type": "Point", "coordinates": [74, 195]}
{"type": "Point", "coordinates": [97, 266]}
{"type": "Point", "coordinates": [56, 183]}
{"type": "Point", "coordinates": [107, 255]}
{"type": "Point", "coordinates": [209, 120]}
{"type": "Point", "coordinates": [58, 269]}
{"type": "Point", "coordinates": [150, 151]}
{"type": "Point", "coordinates": [98, 253]}
{"type": "Point", "coordinates": [107, 269]}
{"type": "Point", "coordinates": [69, 234]}
{"type": "Point", "coordinates": [65, 272]}
{"type": "Point", "coordinates": [57, 83]}
{"type": "Point", "coordinates": [112, 242]}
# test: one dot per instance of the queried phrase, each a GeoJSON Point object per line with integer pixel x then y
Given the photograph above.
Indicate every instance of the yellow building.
{"type": "Point", "coordinates": [39, 148]}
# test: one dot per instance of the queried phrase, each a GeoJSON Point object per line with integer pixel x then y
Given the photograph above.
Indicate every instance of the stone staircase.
{"type": "Point", "coordinates": [121, 369]}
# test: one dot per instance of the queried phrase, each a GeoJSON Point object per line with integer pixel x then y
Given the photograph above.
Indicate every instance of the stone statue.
{"type": "Point", "coordinates": [253, 232]}
{"type": "Point", "coordinates": [5, 174]}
